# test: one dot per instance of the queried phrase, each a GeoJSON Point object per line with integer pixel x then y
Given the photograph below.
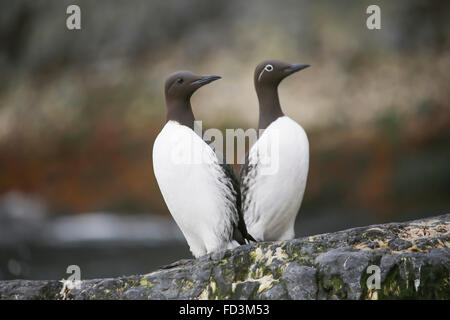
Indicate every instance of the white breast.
{"type": "Point", "coordinates": [192, 184]}
{"type": "Point", "coordinates": [276, 183]}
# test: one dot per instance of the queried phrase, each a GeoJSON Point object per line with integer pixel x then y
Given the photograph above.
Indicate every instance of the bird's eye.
{"type": "Point", "coordinates": [269, 67]}
{"type": "Point", "coordinates": [180, 80]}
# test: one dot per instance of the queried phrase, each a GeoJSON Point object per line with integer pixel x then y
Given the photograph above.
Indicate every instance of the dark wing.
{"type": "Point", "coordinates": [245, 170]}
{"type": "Point", "coordinates": [240, 233]}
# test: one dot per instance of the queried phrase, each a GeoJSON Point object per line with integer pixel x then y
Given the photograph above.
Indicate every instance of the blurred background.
{"type": "Point", "coordinates": [79, 111]}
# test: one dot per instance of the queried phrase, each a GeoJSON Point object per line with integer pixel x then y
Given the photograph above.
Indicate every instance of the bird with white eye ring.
{"type": "Point", "coordinates": [271, 200]}
{"type": "Point", "coordinates": [268, 68]}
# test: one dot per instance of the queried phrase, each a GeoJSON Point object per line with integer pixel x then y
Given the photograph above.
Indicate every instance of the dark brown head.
{"type": "Point", "coordinates": [270, 73]}
{"type": "Point", "coordinates": [182, 84]}
{"type": "Point", "coordinates": [178, 89]}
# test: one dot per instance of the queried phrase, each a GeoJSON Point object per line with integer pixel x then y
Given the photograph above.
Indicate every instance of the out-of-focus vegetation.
{"type": "Point", "coordinates": [79, 110]}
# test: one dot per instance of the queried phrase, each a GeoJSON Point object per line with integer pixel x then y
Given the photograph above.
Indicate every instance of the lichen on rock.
{"type": "Point", "coordinates": [413, 259]}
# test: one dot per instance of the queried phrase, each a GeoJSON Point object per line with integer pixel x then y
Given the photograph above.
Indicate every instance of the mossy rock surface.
{"type": "Point", "coordinates": [413, 259]}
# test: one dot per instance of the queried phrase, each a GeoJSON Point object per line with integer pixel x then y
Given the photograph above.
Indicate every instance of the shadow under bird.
{"type": "Point", "coordinates": [201, 193]}
{"type": "Point", "coordinates": [273, 178]}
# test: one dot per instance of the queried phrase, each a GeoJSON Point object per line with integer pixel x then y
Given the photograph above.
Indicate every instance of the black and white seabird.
{"type": "Point", "coordinates": [273, 178]}
{"type": "Point", "coordinates": [202, 194]}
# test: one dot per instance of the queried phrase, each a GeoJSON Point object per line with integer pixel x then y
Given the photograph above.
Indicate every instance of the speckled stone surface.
{"type": "Point", "coordinates": [413, 257]}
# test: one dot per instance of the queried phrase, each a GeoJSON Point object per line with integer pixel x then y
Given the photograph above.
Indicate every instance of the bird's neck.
{"type": "Point", "coordinates": [269, 105]}
{"type": "Point", "coordinates": [180, 110]}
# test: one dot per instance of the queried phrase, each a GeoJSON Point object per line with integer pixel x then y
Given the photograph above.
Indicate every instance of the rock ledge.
{"type": "Point", "coordinates": [413, 260]}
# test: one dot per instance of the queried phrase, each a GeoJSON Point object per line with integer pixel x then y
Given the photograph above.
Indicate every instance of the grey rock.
{"type": "Point", "coordinates": [301, 282]}
{"type": "Point", "coordinates": [399, 244]}
{"type": "Point", "coordinates": [277, 292]}
{"type": "Point", "coordinates": [413, 259]}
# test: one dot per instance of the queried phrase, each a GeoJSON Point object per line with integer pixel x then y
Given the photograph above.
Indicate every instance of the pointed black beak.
{"type": "Point", "coordinates": [296, 67]}
{"type": "Point", "coordinates": [206, 79]}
